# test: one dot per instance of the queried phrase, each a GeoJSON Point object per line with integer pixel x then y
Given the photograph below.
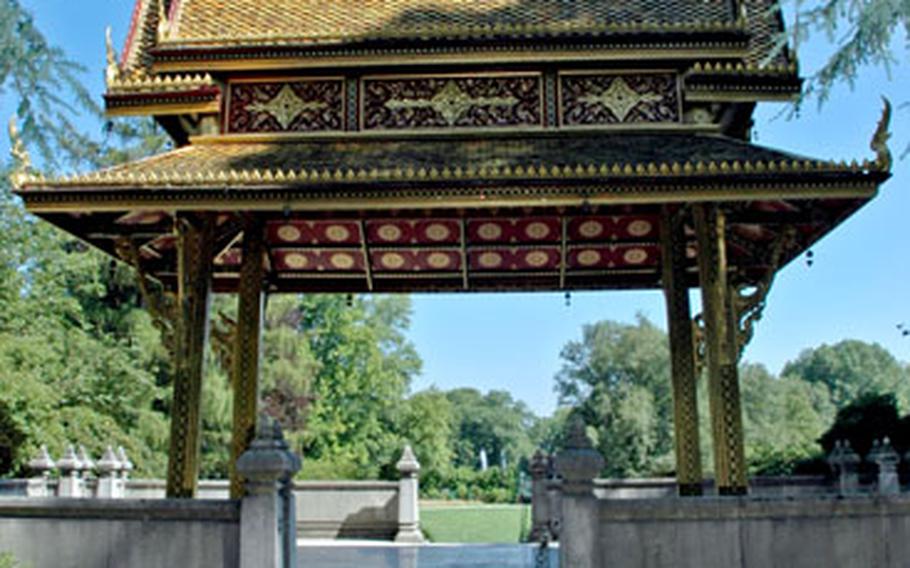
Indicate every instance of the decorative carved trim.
{"type": "Point", "coordinates": [22, 162]}
{"type": "Point", "coordinates": [879, 142]}
{"type": "Point", "coordinates": [749, 298]}
{"type": "Point", "coordinates": [304, 105]}
{"type": "Point", "coordinates": [452, 102]}
{"type": "Point", "coordinates": [589, 99]}
{"type": "Point", "coordinates": [161, 304]}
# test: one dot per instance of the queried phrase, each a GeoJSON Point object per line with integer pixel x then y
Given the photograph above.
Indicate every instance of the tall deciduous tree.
{"type": "Point", "coordinates": [850, 369]}
{"type": "Point", "coordinates": [618, 376]}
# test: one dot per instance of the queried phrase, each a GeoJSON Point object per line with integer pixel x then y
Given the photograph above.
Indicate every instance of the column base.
{"type": "Point", "coordinates": [690, 489]}
{"type": "Point", "coordinates": [410, 535]}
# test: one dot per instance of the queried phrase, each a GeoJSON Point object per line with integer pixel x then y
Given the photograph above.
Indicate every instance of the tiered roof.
{"type": "Point", "coordinates": [454, 144]}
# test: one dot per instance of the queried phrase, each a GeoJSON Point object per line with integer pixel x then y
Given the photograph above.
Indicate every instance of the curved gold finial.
{"type": "Point", "coordinates": [112, 71]}
{"type": "Point", "coordinates": [22, 162]}
{"type": "Point", "coordinates": [879, 142]}
{"type": "Point", "coordinates": [163, 22]}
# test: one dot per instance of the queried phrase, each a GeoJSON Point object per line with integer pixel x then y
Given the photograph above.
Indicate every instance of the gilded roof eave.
{"type": "Point", "coordinates": [241, 160]}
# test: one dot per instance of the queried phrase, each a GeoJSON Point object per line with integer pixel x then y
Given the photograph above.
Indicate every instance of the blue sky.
{"type": "Point", "coordinates": [857, 287]}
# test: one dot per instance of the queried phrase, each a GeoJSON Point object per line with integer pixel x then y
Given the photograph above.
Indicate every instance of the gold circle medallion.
{"type": "Point", "coordinates": [392, 260]}
{"type": "Point", "coordinates": [439, 260]}
{"type": "Point", "coordinates": [588, 257]}
{"type": "Point", "coordinates": [537, 258]}
{"type": "Point", "coordinates": [489, 231]}
{"type": "Point", "coordinates": [591, 229]}
{"type": "Point", "coordinates": [289, 233]}
{"type": "Point", "coordinates": [342, 261]}
{"type": "Point", "coordinates": [296, 261]}
{"type": "Point", "coordinates": [438, 232]}
{"type": "Point", "coordinates": [389, 233]}
{"type": "Point", "coordinates": [490, 260]}
{"type": "Point", "coordinates": [337, 233]}
{"type": "Point", "coordinates": [639, 228]}
{"type": "Point", "coordinates": [537, 230]}
{"type": "Point", "coordinates": [635, 256]}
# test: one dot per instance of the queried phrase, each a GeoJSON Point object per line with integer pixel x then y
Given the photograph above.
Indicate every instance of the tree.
{"type": "Point", "coordinates": [79, 360]}
{"type": "Point", "coordinates": [618, 376]}
{"type": "Point", "coordinates": [782, 420]}
{"type": "Point", "coordinates": [351, 375]}
{"type": "Point", "coordinates": [428, 423]}
{"type": "Point", "coordinates": [869, 418]}
{"type": "Point", "coordinates": [494, 423]}
{"type": "Point", "coordinates": [864, 34]}
{"type": "Point", "coordinates": [850, 369]}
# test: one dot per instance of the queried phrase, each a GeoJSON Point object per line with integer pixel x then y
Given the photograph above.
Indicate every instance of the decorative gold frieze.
{"type": "Point", "coordinates": [452, 102]}
{"type": "Point", "coordinates": [286, 106]}
{"type": "Point", "coordinates": [590, 99]}
{"type": "Point", "coordinates": [620, 98]}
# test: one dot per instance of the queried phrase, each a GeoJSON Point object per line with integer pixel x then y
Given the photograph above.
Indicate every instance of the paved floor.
{"type": "Point", "coordinates": [339, 554]}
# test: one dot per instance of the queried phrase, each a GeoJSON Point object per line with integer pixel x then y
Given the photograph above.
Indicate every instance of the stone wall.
{"type": "Point", "coordinates": [75, 533]}
{"type": "Point", "coordinates": [325, 509]}
{"type": "Point", "coordinates": [853, 532]}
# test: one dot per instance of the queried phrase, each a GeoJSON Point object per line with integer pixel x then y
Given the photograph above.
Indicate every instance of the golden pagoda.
{"type": "Point", "coordinates": [364, 146]}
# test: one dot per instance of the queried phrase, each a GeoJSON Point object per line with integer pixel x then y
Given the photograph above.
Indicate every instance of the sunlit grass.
{"type": "Point", "coordinates": [475, 523]}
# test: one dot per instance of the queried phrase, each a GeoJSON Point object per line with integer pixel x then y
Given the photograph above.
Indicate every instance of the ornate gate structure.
{"type": "Point", "coordinates": [433, 145]}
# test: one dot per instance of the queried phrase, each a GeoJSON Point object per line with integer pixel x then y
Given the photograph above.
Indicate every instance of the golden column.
{"type": "Point", "coordinates": [682, 354]}
{"type": "Point", "coordinates": [195, 252]}
{"type": "Point", "coordinates": [721, 351]}
{"type": "Point", "coordinates": [247, 351]}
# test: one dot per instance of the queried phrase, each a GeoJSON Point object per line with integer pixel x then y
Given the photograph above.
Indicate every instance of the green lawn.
{"type": "Point", "coordinates": [472, 522]}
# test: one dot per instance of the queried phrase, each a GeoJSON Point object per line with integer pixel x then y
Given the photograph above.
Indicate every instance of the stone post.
{"type": "Point", "coordinates": [408, 506]}
{"type": "Point", "coordinates": [844, 463]}
{"type": "Point", "coordinates": [70, 466]}
{"type": "Point", "coordinates": [126, 466]}
{"type": "Point", "coordinates": [110, 486]}
{"type": "Point", "coordinates": [268, 532]}
{"type": "Point", "coordinates": [579, 464]}
{"type": "Point", "coordinates": [540, 499]}
{"type": "Point", "coordinates": [886, 459]}
{"type": "Point", "coordinates": [554, 498]}
{"type": "Point", "coordinates": [89, 481]}
{"type": "Point", "coordinates": [41, 466]}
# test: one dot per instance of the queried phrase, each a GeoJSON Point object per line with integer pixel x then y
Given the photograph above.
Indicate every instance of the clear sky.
{"type": "Point", "coordinates": [857, 287]}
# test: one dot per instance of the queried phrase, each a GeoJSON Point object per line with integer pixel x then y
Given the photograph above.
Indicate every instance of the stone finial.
{"type": "Point", "coordinates": [579, 463]}
{"type": "Point", "coordinates": [268, 460]}
{"type": "Point", "coordinates": [834, 457]}
{"type": "Point", "coordinates": [42, 464]}
{"type": "Point", "coordinates": [849, 458]}
{"type": "Point", "coordinates": [69, 463]}
{"type": "Point", "coordinates": [844, 464]}
{"type": "Point", "coordinates": [884, 456]}
{"type": "Point", "coordinates": [126, 466]}
{"type": "Point", "coordinates": [408, 466]}
{"type": "Point", "coordinates": [109, 465]}
{"type": "Point", "coordinates": [540, 465]}
{"type": "Point", "coordinates": [88, 464]}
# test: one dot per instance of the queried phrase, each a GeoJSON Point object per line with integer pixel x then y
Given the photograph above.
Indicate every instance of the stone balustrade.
{"type": "Point", "coordinates": [385, 510]}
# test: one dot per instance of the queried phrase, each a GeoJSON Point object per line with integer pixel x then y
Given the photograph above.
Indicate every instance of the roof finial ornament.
{"type": "Point", "coordinates": [879, 142]}
{"type": "Point", "coordinates": [22, 162]}
{"type": "Point", "coordinates": [112, 72]}
{"type": "Point", "coordinates": [164, 23]}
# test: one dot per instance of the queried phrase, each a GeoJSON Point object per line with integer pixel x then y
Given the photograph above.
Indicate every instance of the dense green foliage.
{"type": "Point", "coordinates": [618, 376]}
